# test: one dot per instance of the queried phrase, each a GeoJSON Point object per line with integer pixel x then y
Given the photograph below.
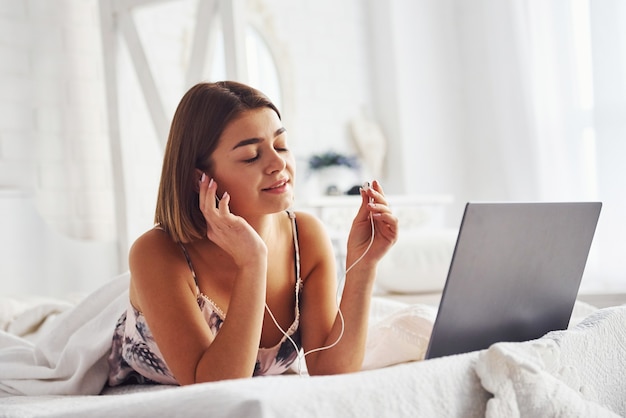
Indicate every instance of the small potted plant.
{"type": "Point", "coordinates": [335, 172]}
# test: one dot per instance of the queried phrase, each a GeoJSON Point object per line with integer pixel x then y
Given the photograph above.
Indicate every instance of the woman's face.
{"type": "Point", "coordinates": [253, 164]}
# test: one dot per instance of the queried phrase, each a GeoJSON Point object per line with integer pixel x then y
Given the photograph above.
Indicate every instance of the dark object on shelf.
{"type": "Point", "coordinates": [354, 190]}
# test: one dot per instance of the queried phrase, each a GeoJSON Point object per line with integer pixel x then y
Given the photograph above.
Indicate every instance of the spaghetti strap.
{"type": "Point", "coordinates": [298, 288]}
{"type": "Point", "coordinates": [193, 272]}
{"type": "Point", "coordinates": [186, 254]}
{"type": "Point", "coordinates": [296, 248]}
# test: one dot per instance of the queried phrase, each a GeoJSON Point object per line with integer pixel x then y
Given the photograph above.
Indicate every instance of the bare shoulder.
{"type": "Point", "coordinates": [153, 247]}
{"type": "Point", "coordinates": [316, 250]}
{"type": "Point", "coordinates": [155, 262]}
{"type": "Point", "coordinates": [310, 227]}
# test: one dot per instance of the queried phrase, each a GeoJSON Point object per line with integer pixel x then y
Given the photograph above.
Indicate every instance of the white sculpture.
{"type": "Point", "coordinates": [370, 142]}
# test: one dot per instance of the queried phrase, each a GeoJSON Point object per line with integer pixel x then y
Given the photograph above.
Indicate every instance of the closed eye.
{"type": "Point", "coordinates": [253, 159]}
{"type": "Point", "coordinates": [256, 157]}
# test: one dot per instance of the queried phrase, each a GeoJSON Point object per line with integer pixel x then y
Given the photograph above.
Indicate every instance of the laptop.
{"type": "Point", "coordinates": [514, 274]}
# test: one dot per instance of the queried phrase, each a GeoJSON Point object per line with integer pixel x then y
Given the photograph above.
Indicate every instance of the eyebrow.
{"type": "Point", "coordinates": [251, 141]}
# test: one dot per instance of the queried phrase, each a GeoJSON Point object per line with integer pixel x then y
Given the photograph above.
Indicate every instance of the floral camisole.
{"type": "Point", "coordinates": [136, 358]}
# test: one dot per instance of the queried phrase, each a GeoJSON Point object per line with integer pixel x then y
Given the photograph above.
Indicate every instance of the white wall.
{"type": "Point", "coordinates": [53, 135]}
{"type": "Point", "coordinates": [325, 44]}
{"type": "Point", "coordinates": [53, 132]}
{"type": "Point", "coordinates": [54, 153]}
{"type": "Point", "coordinates": [418, 94]}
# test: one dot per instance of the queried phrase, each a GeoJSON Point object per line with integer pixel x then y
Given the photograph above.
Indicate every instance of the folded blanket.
{"type": "Point", "coordinates": [70, 356]}
{"type": "Point", "coordinates": [575, 373]}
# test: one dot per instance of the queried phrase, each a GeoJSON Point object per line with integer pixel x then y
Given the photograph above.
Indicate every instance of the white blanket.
{"type": "Point", "coordinates": [575, 373]}
{"type": "Point", "coordinates": [69, 356]}
{"type": "Point", "coordinates": [25, 316]}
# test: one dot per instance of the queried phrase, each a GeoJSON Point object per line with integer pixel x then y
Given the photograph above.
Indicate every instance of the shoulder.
{"type": "Point", "coordinates": [154, 260]}
{"type": "Point", "coordinates": [153, 244]}
{"type": "Point", "coordinates": [308, 219]}
{"type": "Point", "coordinates": [316, 249]}
{"type": "Point", "coordinates": [310, 226]}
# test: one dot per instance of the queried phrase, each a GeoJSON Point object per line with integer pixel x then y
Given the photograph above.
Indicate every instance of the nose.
{"type": "Point", "coordinates": [276, 162]}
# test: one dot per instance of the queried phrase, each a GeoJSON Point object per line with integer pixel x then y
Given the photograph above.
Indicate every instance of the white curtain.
{"type": "Point", "coordinates": [527, 72]}
{"type": "Point", "coordinates": [577, 52]}
{"type": "Point", "coordinates": [558, 56]}
{"type": "Point", "coordinates": [570, 57]}
{"type": "Point", "coordinates": [509, 100]}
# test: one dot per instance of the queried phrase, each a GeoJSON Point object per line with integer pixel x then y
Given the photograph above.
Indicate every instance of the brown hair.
{"type": "Point", "coordinates": [202, 115]}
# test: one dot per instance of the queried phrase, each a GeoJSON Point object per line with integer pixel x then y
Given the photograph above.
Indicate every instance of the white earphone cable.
{"type": "Point", "coordinates": [300, 356]}
{"type": "Point", "coordinates": [337, 296]}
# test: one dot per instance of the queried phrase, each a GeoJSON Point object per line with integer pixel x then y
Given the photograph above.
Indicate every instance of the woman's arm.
{"type": "Point", "coordinates": [162, 287]}
{"type": "Point", "coordinates": [322, 324]}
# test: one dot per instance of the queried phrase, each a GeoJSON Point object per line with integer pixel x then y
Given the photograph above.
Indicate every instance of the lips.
{"type": "Point", "coordinates": [277, 185]}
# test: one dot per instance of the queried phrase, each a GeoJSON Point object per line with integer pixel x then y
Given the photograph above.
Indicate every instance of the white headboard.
{"type": "Point", "coordinates": [37, 260]}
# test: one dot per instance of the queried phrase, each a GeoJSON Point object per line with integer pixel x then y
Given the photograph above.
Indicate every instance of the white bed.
{"type": "Point", "coordinates": [53, 357]}
{"type": "Point", "coordinates": [56, 367]}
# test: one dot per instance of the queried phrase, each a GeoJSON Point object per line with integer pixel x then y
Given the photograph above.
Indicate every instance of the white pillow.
{"type": "Point", "coordinates": [400, 336]}
{"type": "Point", "coordinates": [418, 262]}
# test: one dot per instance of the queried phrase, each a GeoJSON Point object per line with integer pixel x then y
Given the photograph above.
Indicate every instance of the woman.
{"type": "Point", "coordinates": [228, 268]}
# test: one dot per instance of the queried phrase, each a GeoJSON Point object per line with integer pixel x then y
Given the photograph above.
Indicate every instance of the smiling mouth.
{"type": "Point", "coordinates": [277, 185]}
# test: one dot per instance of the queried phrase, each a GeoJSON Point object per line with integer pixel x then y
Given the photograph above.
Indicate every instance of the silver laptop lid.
{"type": "Point", "coordinates": [514, 274]}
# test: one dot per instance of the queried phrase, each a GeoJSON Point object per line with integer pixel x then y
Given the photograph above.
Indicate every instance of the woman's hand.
{"type": "Point", "coordinates": [373, 205]}
{"type": "Point", "coordinates": [230, 232]}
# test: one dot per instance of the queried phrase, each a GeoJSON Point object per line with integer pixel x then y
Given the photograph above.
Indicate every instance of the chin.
{"type": "Point", "coordinates": [284, 204]}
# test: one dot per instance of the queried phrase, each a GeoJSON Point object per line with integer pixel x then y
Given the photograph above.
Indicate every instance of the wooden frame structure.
{"type": "Point", "coordinates": [118, 25]}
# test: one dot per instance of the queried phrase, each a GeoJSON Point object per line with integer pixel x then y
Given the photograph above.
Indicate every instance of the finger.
{"type": "Point", "coordinates": [207, 195]}
{"type": "Point", "coordinates": [202, 190]}
{"type": "Point", "coordinates": [223, 204]}
{"type": "Point", "coordinates": [377, 186]}
{"type": "Point", "coordinates": [364, 211]}
{"type": "Point", "coordinates": [375, 192]}
{"type": "Point", "coordinates": [386, 220]}
{"type": "Point", "coordinates": [378, 208]}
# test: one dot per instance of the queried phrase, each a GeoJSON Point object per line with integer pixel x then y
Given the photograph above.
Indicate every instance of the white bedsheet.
{"type": "Point", "coordinates": [569, 373]}
{"type": "Point", "coordinates": [433, 388]}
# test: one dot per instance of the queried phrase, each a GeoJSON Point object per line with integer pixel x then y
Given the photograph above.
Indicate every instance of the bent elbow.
{"type": "Point", "coordinates": [328, 370]}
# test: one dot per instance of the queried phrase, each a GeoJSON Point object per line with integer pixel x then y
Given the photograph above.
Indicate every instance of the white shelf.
{"type": "Point", "coordinates": [394, 200]}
